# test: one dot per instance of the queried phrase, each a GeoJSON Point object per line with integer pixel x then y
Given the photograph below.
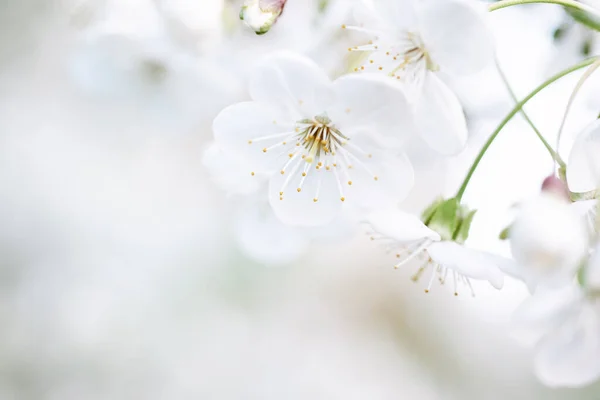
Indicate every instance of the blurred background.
{"type": "Point", "coordinates": [124, 273]}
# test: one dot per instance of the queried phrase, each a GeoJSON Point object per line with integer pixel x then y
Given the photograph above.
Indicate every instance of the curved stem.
{"type": "Point", "coordinates": [555, 156]}
{"type": "Point", "coordinates": [511, 114]}
{"type": "Point", "coordinates": [565, 3]}
{"type": "Point", "coordinates": [578, 87]}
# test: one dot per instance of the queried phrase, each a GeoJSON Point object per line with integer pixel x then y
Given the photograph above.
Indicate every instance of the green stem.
{"type": "Point", "coordinates": [511, 114]}
{"type": "Point", "coordinates": [565, 3]}
{"type": "Point", "coordinates": [555, 156]}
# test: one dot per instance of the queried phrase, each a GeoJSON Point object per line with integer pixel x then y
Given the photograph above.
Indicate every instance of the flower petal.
{"type": "Point", "coordinates": [264, 238]}
{"type": "Point", "coordinates": [238, 127]}
{"type": "Point", "coordinates": [294, 82]}
{"type": "Point", "coordinates": [440, 117]}
{"type": "Point", "coordinates": [298, 207]}
{"type": "Point", "coordinates": [383, 182]}
{"type": "Point", "coordinates": [569, 355]}
{"type": "Point", "coordinates": [543, 312]}
{"type": "Point", "coordinates": [385, 14]}
{"type": "Point", "coordinates": [400, 226]}
{"type": "Point", "coordinates": [583, 170]}
{"type": "Point", "coordinates": [228, 171]}
{"type": "Point", "coordinates": [375, 104]}
{"type": "Point", "coordinates": [456, 35]}
{"type": "Point", "coordinates": [548, 240]}
{"type": "Point", "coordinates": [471, 263]}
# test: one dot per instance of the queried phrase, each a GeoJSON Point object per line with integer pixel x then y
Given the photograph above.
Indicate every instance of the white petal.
{"type": "Point", "coordinates": [440, 117]}
{"type": "Point", "coordinates": [467, 262]}
{"type": "Point", "coordinates": [294, 82]}
{"type": "Point", "coordinates": [229, 172]}
{"type": "Point", "coordinates": [400, 226]}
{"type": "Point", "coordinates": [548, 240]}
{"type": "Point", "coordinates": [385, 14]}
{"type": "Point", "coordinates": [299, 208]}
{"type": "Point", "coordinates": [543, 313]}
{"type": "Point", "coordinates": [375, 104]}
{"type": "Point", "coordinates": [456, 35]}
{"type": "Point", "coordinates": [383, 182]}
{"type": "Point", "coordinates": [236, 126]}
{"type": "Point", "coordinates": [570, 355]}
{"type": "Point", "coordinates": [265, 239]}
{"type": "Point", "coordinates": [583, 170]}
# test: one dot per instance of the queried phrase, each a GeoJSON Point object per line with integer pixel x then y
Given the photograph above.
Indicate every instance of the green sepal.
{"type": "Point", "coordinates": [444, 219]}
{"type": "Point", "coordinates": [505, 234]}
{"type": "Point", "coordinates": [464, 225]}
{"type": "Point", "coordinates": [430, 210]}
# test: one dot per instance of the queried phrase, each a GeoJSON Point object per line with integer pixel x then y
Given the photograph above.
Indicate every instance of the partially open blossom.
{"type": "Point", "coordinates": [437, 245]}
{"type": "Point", "coordinates": [261, 15]}
{"type": "Point", "coordinates": [548, 240]}
{"type": "Point", "coordinates": [418, 43]}
{"type": "Point", "coordinates": [321, 145]}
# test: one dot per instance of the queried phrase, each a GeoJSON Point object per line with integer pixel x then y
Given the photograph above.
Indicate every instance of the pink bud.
{"type": "Point", "coordinates": [554, 185]}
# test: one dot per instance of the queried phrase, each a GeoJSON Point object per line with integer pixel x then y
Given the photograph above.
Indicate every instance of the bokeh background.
{"type": "Point", "coordinates": [121, 273]}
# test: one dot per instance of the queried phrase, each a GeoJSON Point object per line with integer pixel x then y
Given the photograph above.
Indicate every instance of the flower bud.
{"type": "Point", "coordinates": [553, 185]}
{"type": "Point", "coordinates": [261, 15]}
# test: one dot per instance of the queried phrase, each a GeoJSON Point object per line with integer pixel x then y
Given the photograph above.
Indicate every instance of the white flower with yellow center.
{"type": "Point", "coordinates": [436, 245]}
{"type": "Point", "coordinates": [323, 145]}
{"type": "Point", "coordinates": [419, 43]}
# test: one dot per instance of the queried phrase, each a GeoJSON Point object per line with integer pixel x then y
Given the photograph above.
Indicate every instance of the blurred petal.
{"type": "Point", "coordinates": [569, 355]}
{"type": "Point", "coordinates": [228, 171]}
{"type": "Point", "coordinates": [400, 226]}
{"type": "Point", "coordinates": [299, 208]}
{"type": "Point", "coordinates": [468, 262]}
{"type": "Point", "coordinates": [375, 104]}
{"type": "Point", "coordinates": [239, 127]}
{"type": "Point", "coordinates": [294, 82]}
{"type": "Point", "coordinates": [440, 117]}
{"type": "Point", "coordinates": [456, 35]}
{"type": "Point", "coordinates": [583, 169]}
{"type": "Point", "coordinates": [264, 238]}
{"type": "Point", "coordinates": [543, 312]}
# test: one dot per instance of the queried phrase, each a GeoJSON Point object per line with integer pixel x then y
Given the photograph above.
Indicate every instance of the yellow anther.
{"type": "Point", "coordinates": [376, 178]}
{"type": "Point", "coordinates": [282, 172]}
{"type": "Point", "coordinates": [252, 173]}
{"type": "Point", "coordinates": [350, 183]}
{"type": "Point", "coordinates": [304, 174]}
{"type": "Point", "coordinates": [290, 155]}
{"type": "Point", "coordinates": [371, 61]}
{"type": "Point", "coordinates": [299, 190]}
{"type": "Point", "coordinates": [344, 26]}
{"type": "Point", "coordinates": [343, 199]}
{"type": "Point", "coordinates": [265, 150]}
{"type": "Point", "coordinates": [315, 199]}
{"type": "Point", "coordinates": [249, 141]}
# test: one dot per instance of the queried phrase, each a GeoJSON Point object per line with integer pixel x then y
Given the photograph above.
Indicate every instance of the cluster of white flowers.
{"type": "Point", "coordinates": [307, 158]}
{"type": "Point", "coordinates": [319, 142]}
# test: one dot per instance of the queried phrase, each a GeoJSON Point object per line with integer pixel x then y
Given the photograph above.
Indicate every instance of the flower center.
{"type": "Point", "coordinates": [314, 148]}
{"type": "Point", "coordinates": [402, 55]}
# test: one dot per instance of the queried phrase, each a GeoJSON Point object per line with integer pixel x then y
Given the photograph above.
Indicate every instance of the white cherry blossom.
{"type": "Point", "coordinates": [444, 260]}
{"type": "Point", "coordinates": [419, 43]}
{"type": "Point", "coordinates": [321, 144]}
